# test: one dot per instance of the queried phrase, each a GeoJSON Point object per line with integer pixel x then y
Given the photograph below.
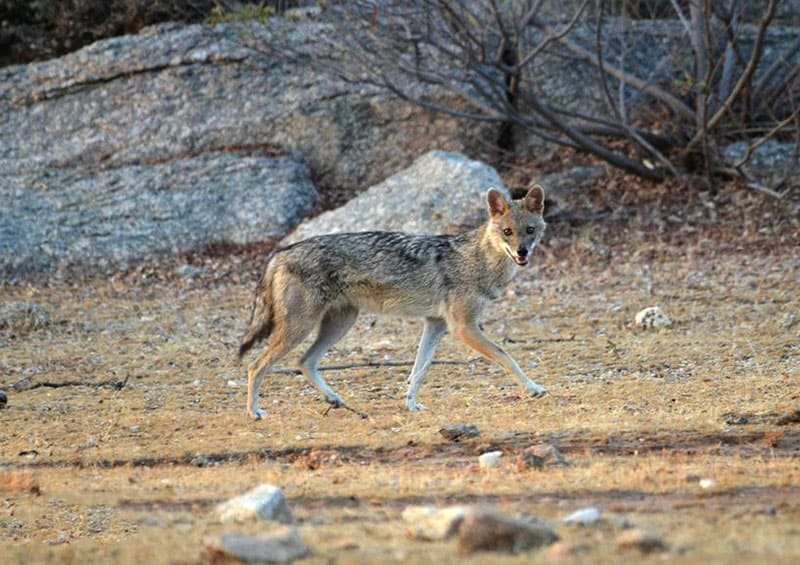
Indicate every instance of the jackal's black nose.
{"type": "Point", "coordinates": [522, 251]}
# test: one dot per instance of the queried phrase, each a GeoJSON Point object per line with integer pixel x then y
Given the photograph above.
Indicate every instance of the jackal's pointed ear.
{"type": "Point", "coordinates": [534, 200]}
{"type": "Point", "coordinates": [498, 203]}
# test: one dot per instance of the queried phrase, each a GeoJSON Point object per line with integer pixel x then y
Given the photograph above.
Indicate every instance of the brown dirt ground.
{"type": "Point", "coordinates": [125, 423]}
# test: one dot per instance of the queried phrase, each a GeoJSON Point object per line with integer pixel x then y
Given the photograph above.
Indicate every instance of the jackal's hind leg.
{"type": "Point", "coordinates": [334, 324]}
{"type": "Point", "coordinates": [432, 334]}
{"type": "Point", "coordinates": [284, 338]}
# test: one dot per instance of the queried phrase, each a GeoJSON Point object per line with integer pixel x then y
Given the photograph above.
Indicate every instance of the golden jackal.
{"type": "Point", "coordinates": [448, 280]}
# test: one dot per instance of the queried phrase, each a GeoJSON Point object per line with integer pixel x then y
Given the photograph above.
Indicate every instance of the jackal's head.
{"type": "Point", "coordinates": [515, 227]}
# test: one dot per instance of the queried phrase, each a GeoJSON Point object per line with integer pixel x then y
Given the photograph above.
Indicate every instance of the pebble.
{"type": "Point", "coordinates": [3, 399]}
{"type": "Point", "coordinates": [265, 502]}
{"type": "Point", "coordinates": [490, 459]}
{"type": "Point", "coordinates": [536, 456]}
{"type": "Point", "coordinates": [583, 517]}
{"type": "Point", "coordinates": [652, 318]}
{"type": "Point", "coordinates": [458, 432]}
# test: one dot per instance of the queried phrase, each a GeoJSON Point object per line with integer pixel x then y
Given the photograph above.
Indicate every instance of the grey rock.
{"type": "Point", "coordinates": [485, 529]}
{"type": "Point", "coordinates": [3, 399]}
{"type": "Point", "coordinates": [458, 432]}
{"type": "Point", "coordinates": [173, 90]}
{"type": "Point", "coordinates": [537, 456]}
{"type": "Point", "coordinates": [583, 517]}
{"type": "Point", "coordinates": [770, 163]}
{"type": "Point", "coordinates": [439, 193]}
{"type": "Point", "coordinates": [265, 502]}
{"type": "Point", "coordinates": [280, 546]}
{"type": "Point", "coordinates": [110, 219]}
{"type": "Point", "coordinates": [22, 317]}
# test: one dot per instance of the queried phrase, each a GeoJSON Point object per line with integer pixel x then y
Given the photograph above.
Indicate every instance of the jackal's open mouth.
{"type": "Point", "coordinates": [521, 261]}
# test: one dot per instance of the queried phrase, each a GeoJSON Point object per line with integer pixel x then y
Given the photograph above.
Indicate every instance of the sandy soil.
{"type": "Point", "coordinates": [125, 421]}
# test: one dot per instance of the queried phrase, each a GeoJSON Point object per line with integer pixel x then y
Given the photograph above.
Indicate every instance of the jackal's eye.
{"type": "Point", "coordinates": [507, 232]}
{"type": "Point", "coordinates": [531, 229]}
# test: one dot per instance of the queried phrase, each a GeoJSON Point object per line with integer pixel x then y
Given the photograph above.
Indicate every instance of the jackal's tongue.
{"type": "Point", "coordinates": [521, 261]}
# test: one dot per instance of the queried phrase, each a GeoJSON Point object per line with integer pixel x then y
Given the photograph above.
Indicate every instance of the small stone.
{"type": "Point", "coordinates": [584, 516]}
{"type": "Point", "coordinates": [529, 460]}
{"type": "Point", "coordinates": [135, 429]}
{"type": "Point", "coordinates": [641, 540]}
{"type": "Point", "coordinates": [652, 318]}
{"type": "Point", "coordinates": [459, 432]}
{"type": "Point", "coordinates": [62, 538]}
{"type": "Point", "coordinates": [536, 456]}
{"type": "Point", "coordinates": [490, 459]}
{"type": "Point", "coordinates": [3, 399]}
{"type": "Point", "coordinates": [706, 483]}
{"type": "Point", "coordinates": [265, 502]}
{"type": "Point", "coordinates": [789, 320]}
{"type": "Point", "coordinates": [431, 523]}
{"type": "Point", "coordinates": [280, 546]}
{"type": "Point", "coordinates": [488, 530]}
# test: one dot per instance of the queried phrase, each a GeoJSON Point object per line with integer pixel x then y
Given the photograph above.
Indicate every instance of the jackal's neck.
{"type": "Point", "coordinates": [490, 260]}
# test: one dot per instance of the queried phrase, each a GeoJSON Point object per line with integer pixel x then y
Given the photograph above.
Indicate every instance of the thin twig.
{"type": "Point", "coordinates": [362, 415]}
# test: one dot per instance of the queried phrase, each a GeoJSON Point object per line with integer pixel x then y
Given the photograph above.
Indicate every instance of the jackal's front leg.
{"type": "Point", "coordinates": [431, 335]}
{"type": "Point", "coordinates": [471, 335]}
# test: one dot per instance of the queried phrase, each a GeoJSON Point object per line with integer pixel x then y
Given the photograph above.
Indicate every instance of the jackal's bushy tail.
{"type": "Point", "coordinates": [261, 320]}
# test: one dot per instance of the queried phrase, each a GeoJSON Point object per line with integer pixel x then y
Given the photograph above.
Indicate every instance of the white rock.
{"type": "Point", "coordinates": [652, 317]}
{"type": "Point", "coordinates": [265, 502]}
{"type": "Point", "coordinates": [432, 523]}
{"type": "Point", "coordinates": [706, 483]}
{"type": "Point", "coordinates": [280, 546]}
{"type": "Point", "coordinates": [490, 459]}
{"type": "Point", "coordinates": [584, 516]}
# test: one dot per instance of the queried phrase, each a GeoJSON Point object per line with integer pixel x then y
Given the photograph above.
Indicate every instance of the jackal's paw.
{"type": "Point", "coordinates": [536, 390]}
{"type": "Point", "coordinates": [415, 406]}
{"type": "Point", "coordinates": [257, 414]}
{"type": "Point", "coordinates": [334, 401]}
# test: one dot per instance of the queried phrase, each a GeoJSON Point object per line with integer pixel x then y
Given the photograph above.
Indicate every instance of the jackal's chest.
{"type": "Point", "coordinates": [418, 304]}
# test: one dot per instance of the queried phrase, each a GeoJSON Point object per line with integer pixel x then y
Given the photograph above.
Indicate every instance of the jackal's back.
{"type": "Point", "coordinates": [380, 271]}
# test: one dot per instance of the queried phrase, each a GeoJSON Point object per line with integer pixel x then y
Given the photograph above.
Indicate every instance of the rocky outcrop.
{"type": "Point", "coordinates": [175, 89]}
{"type": "Point", "coordinates": [105, 220]}
{"type": "Point", "coordinates": [161, 142]}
